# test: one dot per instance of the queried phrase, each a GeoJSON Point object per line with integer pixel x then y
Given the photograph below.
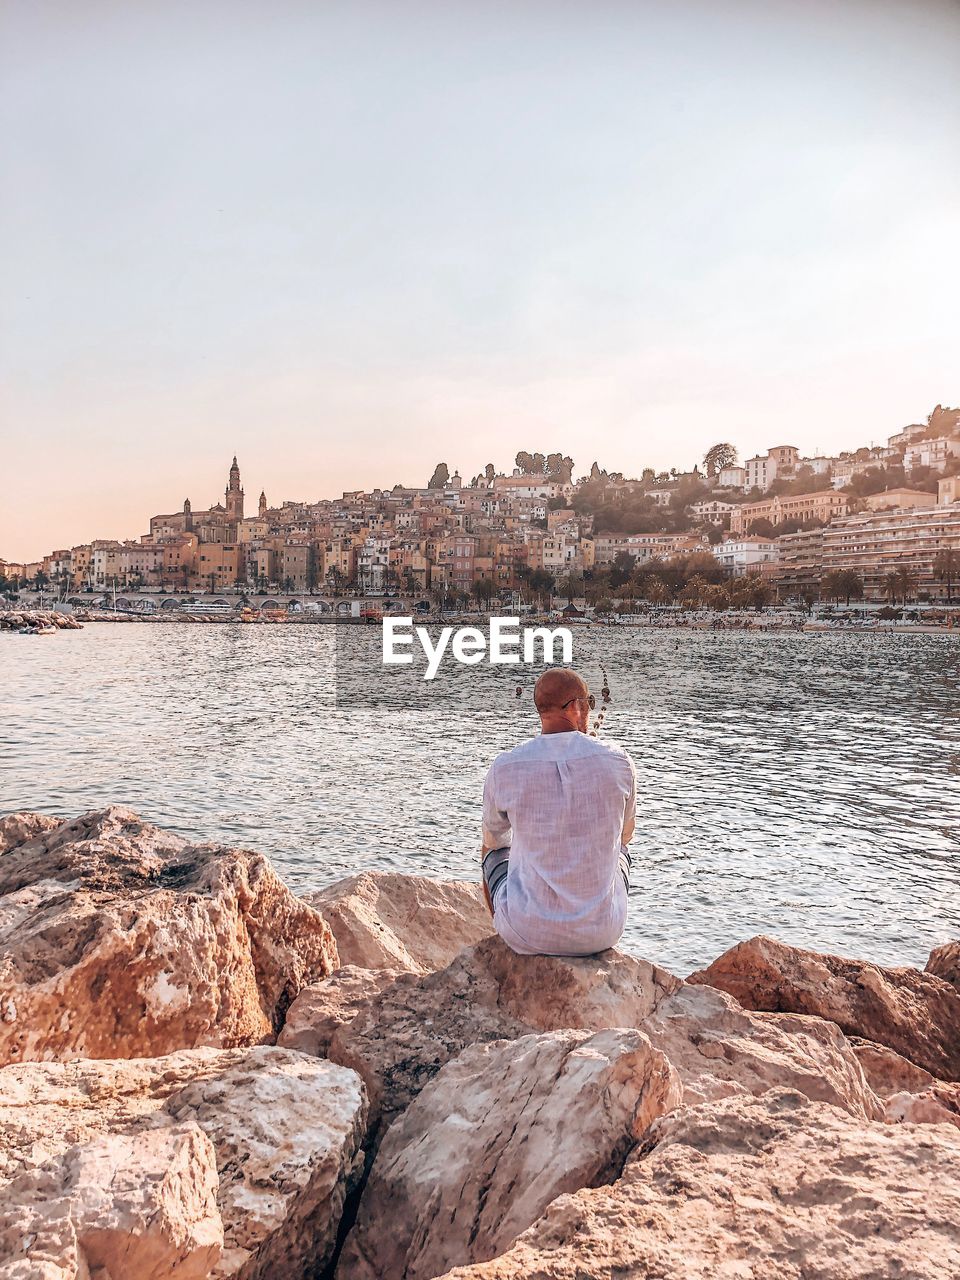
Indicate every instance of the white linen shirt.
{"type": "Point", "coordinates": [565, 804]}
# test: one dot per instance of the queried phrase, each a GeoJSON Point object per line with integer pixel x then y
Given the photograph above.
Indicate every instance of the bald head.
{"type": "Point", "coordinates": [557, 686]}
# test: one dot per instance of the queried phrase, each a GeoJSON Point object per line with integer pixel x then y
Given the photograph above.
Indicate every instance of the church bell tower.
{"type": "Point", "coordinates": [234, 494]}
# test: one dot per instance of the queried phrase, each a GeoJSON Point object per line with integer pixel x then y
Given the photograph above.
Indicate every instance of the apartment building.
{"type": "Point", "coordinates": [747, 555]}
{"type": "Point", "coordinates": [761, 471]}
{"type": "Point", "coordinates": [799, 563]}
{"type": "Point", "coordinates": [931, 453]}
{"type": "Point", "coordinates": [604, 548]}
{"type": "Point", "coordinates": [879, 543]}
{"type": "Point", "coordinates": [714, 511]}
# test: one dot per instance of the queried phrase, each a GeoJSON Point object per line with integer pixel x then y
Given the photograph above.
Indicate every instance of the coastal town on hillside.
{"type": "Point", "coordinates": [879, 524]}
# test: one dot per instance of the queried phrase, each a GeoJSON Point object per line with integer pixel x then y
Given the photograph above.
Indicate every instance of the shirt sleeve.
{"type": "Point", "coordinates": [630, 806]}
{"type": "Point", "coordinates": [496, 825]}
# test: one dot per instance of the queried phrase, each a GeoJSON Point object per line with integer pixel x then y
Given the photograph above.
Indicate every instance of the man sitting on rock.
{"type": "Point", "coordinates": [558, 813]}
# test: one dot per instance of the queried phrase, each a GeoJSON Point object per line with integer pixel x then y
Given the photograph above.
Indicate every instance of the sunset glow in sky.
{"type": "Point", "coordinates": [348, 240]}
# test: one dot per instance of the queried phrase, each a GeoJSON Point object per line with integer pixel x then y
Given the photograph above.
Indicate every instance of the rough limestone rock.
{"type": "Point", "coordinates": [917, 1014]}
{"type": "Point", "coordinates": [500, 1132]}
{"type": "Point", "coordinates": [888, 1072]}
{"type": "Point", "coordinates": [320, 1010]}
{"type": "Point", "coordinates": [769, 1188]}
{"type": "Point", "coordinates": [118, 940]}
{"type": "Point", "coordinates": [18, 828]}
{"type": "Point", "coordinates": [116, 1207]}
{"type": "Point", "coordinates": [944, 962]}
{"type": "Point", "coordinates": [720, 1049]}
{"type": "Point", "coordinates": [909, 1094]}
{"type": "Point", "coordinates": [384, 920]}
{"type": "Point", "coordinates": [398, 1039]}
{"type": "Point", "coordinates": [401, 1038]}
{"type": "Point", "coordinates": [285, 1130]}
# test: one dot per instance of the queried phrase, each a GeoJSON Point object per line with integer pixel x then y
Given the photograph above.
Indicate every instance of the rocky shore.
{"type": "Point", "coordinates": [202, 1075]}
{"type": "Point", "coordinates": [14, 619]}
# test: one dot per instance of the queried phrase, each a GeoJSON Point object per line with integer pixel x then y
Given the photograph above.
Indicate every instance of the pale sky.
{"type": "Point", "coordinates": [348, 240]}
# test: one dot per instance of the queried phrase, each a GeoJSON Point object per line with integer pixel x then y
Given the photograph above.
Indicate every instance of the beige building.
{"type": "Point", "coordinates": [297, 567]}
{"type": "Point", "coordinates": [220, 565]}
{"type": "Point", "coordinates": [825, 505]}
{"type": "Point", "coordinates": [900, 500]}
{"type": "Point", "coordinates": [800, 563]}
{"type": "Point", "coordinates": [642, 546]}
{"type": "Point", "coordinates": [80, 566]}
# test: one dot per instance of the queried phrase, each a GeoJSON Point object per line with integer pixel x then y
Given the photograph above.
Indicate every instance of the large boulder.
{"type": "Point", "coordinates": [776, 1187]}
{"type": "Point", "coordinates": [118, 939]}
{"type": "Point", "coordinates": [141, 1207]}
{"type": "Point", "coordinates": [909, 1094]}
{"type": "Point", "coordinates": [944, 962]}
{"type": "Point", "coordinates": [498, 1134]}
{"type": "Point", "coordinates": [284, 1133]}
{"type": "Point", "coordinates": [385, 920]}
{"type": "Point", "coordinates": [917, 1014]}
{"type": "Point", "coordinates": [18, 828]}
{"type": "Point", "coordinates": [399, 1039]}
{"type": "Point", "coordinates": [319, 1011]}
{"type": "Point", "coordinates": [399, 1036]}
{"type": "Point", "coordinates": [720, 1049]}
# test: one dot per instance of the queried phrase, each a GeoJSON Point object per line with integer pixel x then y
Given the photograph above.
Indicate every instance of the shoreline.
{"type": "Point", "coordinates": [768, 621]}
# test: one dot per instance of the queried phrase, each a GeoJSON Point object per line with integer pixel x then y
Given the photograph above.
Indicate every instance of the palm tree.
{"type": "Point", "coordinates": [891, 587]}
{"type": "Point", "coordinates": [945, 567]}
{"type": "Point", "coordinates": [570, 586]}
{"type": "Point", "coordinates": [907, 580]}
{"type": "Point", "coordinates": [851, 584]}
{"type": "Point", "coordinates": [656, 590]}
{"type": "Point", "coordinates": [831, 585]}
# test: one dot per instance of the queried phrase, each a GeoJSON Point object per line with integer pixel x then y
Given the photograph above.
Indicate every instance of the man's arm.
{"type": "Point", "coordinates": [497, 833]}
{"type": "Point", "coordinates": [630, 807]}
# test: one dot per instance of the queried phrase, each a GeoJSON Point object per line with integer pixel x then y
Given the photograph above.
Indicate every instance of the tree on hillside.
{"type": "Point", "coordinates": [702, 564]}
{"type": "Point", "coordinates": [541, 582]}
{"type": "Point", "coordinates": [552, 466]}
{"type": "Point", "coordinates": [484, 589]}
{"type": "Point", "coordinates": [762, 527]}
{"type": "Point", "coordinates": [873, 480]}
{"type": "Point", "coordinates": [570, 586]}
{"type": "Point", "coordinates": [489, 472]}
{"type": "Point", "coordinates": [440, 477]}
{"type": "Point", "coordinates": [719, 456]}
{"type": "Point", "coordinates": [621, 569]}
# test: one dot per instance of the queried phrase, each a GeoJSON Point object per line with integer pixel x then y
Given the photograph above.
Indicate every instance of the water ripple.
{"type": "Point", "coordinates": [806, 786]}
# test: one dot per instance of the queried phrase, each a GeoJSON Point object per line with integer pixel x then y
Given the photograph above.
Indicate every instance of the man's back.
{"type": "Point", "coordinates": [568, 802]}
